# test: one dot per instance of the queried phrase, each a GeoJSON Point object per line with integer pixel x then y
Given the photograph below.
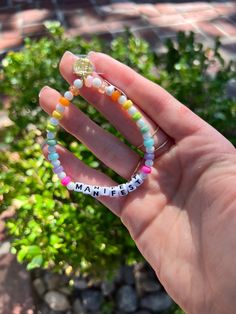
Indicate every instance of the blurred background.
{"type": "Point", "coordinates": [62, 253]}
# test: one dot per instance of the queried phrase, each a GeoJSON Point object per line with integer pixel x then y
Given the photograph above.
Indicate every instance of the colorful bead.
{"type": "Point", "coordinates": [109, 90]}
{"type": "Point", "coordinates": [150, 149]}
{"type": "Point", "coordinates": [50, 135]}
{"type": "Point", "coordinates": [146, 169]}
{"type": "Point", "coordinates": [97, 82]}
{"type": "Point", "coordinates": [88, 81]}
{"type": "Point", "coordinates": [60, 108]}
{"type": "Point", "coordinates": [127, 104]}
{"type": "Point", "coordinates": [70, 186]}
{"type": "Point", "coordinates": [57, 115]}
{"type": "Point", "coordinates": [51, 149]}
{"type": "Point", "coordinates": [147, 135]}
{"type": "Point", "coordinates": [132, 110]}
{"type": "Point", "coordinates": [66, 180]}
{"type": "Point", "coordinates": [58, 169]}
{"type": "Point", "coordinates": [149, 163]}
{"type": "Point", "coordinates": [61, 175]}
{"type": "Point", "coordinates": [51, 142]}
{"type": "Point", "coordinates": [56, 163]}
{"type": "Point", "coordinates": [53, 156]}
{"type": "Point", "coordinates": [51, 128]}
{"type": "Point", "coordinates": [141, 123]}
{"type": "Point", "coordinates": [149, 156]}
{"type": "Point", "coordinates": [144, 129]}
{"type": "Point", "coordinates": [78, 83]}
{"type": "Point", "coordinates": [63, 101]}
{"type": "Point", "coordinates": [148, 142]}
{"type": "Point", "coordinates": [136, 116]}
{"type": "Point", "coordinates": [68, 95]}
{"type": "Point", "coordinates": [115, 95]}
{"type": "Point", "coordinates": [74, 90]}
{"type": "Point", "coordinates": [54, 121]}
{"type": "Point", "coordinates": [122, 99]}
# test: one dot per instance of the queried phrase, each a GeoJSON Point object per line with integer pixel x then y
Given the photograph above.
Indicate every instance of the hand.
{"type": "Point", "coordinates": [183, 217]}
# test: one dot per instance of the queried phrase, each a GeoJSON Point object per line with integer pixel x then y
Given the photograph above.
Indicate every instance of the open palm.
{"type": "Point", "coordinates": [183, 217]}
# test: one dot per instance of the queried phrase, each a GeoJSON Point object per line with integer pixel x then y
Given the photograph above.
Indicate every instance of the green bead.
{"type": "Point", "coordinates": [51, 142]}
{"type": "Point", "coordinates": [51, 128]}
{"type": "Point", "coordinates": [144, 129]}
{"type": "Point", "coordinates": [136, 116]}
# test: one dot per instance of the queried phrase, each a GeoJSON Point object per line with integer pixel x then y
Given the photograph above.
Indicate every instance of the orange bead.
{"type": "Point", "coordinates": [74, 90]}
{"type": "Point", "coordinates": [115, 95]}
{"type": "Point", "coordinates": [63, 101]}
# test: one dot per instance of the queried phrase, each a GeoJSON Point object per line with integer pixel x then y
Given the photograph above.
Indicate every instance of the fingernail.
{"type": "Point", "coordinates": [41, 91]}
{"type": "Point", "coordinates": [91, 53]}
{"type": "Point", "coordinates": [67, 52]}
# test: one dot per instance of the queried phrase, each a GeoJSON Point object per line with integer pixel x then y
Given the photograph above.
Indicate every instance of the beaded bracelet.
{"type": "Point", "coordinates": [87, 76]}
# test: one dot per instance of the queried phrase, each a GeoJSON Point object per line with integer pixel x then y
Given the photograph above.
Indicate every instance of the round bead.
{"type": "Point", "coordinates": [143, 175]}
{"type": "Point", "coordinates": [150, 149]}
{"type": "Point", "coordinates": [51, 149]}
{"type": "Point", "coordinates": [56, 115]}
{"type": "Point", "coordinates": [78, 83]}
{"type": "Point", "coordinates": [136, 116]}
{"type": "Point", "coordinates": [109, 90]}
{"type": "Point", "coordinates": [54, 121]}
{"type": "Point", "coordinates": [61, 175]}
{"type": "Point", "coordinates": [53, 156]}
{"type": "Point", "coordinates": [66, 180]}
{"type": "Point", "coordinates": [88, 81]}
{"type": "Point", "coordinates": [149, 156]}
{"type": "Point", "coordinates": [63, 101]}
{"type": "Point", "coordinates": [50, 135]}
{"type": "Point", "coordinates": [144, 129]}
{"type": "Point", "coordinates": [115, 95]}
{"type": "Point", "coordinates": [56, 163]}
{"type": "Point", "coordinates": [70, 186]}
{"type": "Point", "coordinates": [127, 104]}
{"type": "Point", "coordinates": [60, 108]}
{"type": "Point", "coordinates": [147, 135]}
{"type": "Point", "coordinates": [97, 82]}
{"type": "Point", "coordinates": [148, 142]}
{"type": "Point", "coordinates": [51, 128]}
{"type": "Point", "coordinates": [149, 163]}
{"type": "Point", "coordinates": [68, 95]}
{"type": "Point", "coordinates": [51, 142]}
{"type": "Point", "coordinates": [146, 169]}
{"type": "Point", "coordinates": [141, 123]}
{"type": "Point", "coordinates": [122, 99]}
{"type": "Point", "coordinates": [132, 110]}
{"type": "Point", "coordinates": [58, 169]}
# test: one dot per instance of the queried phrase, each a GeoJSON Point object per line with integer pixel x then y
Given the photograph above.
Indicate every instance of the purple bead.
{"type": "Point", "coordinates": [149, 156]}
{"type": "Point", "coordinates": [58, 169]}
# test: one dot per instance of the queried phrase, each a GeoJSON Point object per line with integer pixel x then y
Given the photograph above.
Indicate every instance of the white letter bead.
{"type": "Point", "coordinates": [143, 175]}
{"type": "Point", "coordinates": [87, 189]}
{"type": "Point", "coordinates": [96, 191]}
{"type": "Point", "coordinates": [122, 190]}
{"type": "Point", "coordinates": [132, 110]}
{"type": "Point", "coordinates": [114, 191]}
{"type": "Point", "coordinates": [78, 83]}
{"type": "Point", "coordinates": [97, 82]}
{"type": "Point", "coordinates": [137, 180]}
{"type": "Point", "coordinates": [130, 186]}
{"type": "Point", "coordinates": [60, 108]}
{"type": "Point", "coordinates": [79, 187]}
{"type": "Point", "coordinates": [109, 90]}
{"type": "Point", "coordinates": [122, 99]}
{"type": "Point", "coordinates": [70, 186]}
{"type": "Point", "coordinates": [105, 190]}
{"type": "Point", "coordinates": [68, 95]}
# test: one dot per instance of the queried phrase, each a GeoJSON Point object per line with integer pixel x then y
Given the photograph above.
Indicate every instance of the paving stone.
{"type": "Point", "coordinates": [226, 26]}
{"type": "Point", "coordinates": [209, 29]}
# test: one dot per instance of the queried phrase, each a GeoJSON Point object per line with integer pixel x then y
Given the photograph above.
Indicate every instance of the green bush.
{"type": "Point", "coordinates": [55, 229]}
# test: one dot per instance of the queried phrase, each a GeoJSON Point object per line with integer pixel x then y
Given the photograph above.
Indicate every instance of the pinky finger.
{"type": "Point", "coordinates": [79, 171]}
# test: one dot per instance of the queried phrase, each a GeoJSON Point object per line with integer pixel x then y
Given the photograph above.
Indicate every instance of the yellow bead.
{"type": "Point", "coordinates": [56, 115]}
{"type": "Point", "coordinates": [127, 104]}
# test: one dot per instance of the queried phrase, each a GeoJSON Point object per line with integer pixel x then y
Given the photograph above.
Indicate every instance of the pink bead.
{"type": "Point", "coordinates": [66, 180]}
{"type": "Point", "coordinates": [89, 81]}
{"type": "Point", "coordinates": [146, 169]}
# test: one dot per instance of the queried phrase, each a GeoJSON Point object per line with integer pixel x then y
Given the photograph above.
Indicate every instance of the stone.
{"type": "Point", "coordinates": [146, 280]}
{"type": "Point", "coordinates": [91, 299]}
{"type": "Point", "coordinates": [128, 275]}
{"type": "Point", "coordinates": [159, 301]}
{"type": "Point", "coordinates": [127, 299]}
{"type": "Point", "coordinates": [78, 307]}
{"type": "Point", "coordinates": [142, 312]}
{"type": "Point", "coordinates": [39, 286]}
{"type": "Point", "coordinates": [52, 280]}
{"type": "Point", "coordinates": [5, 248]}
{"type": "Point", "coordinates": [107, 287]}
{"type": "Point", "coordinates": [80, 284]}
{"type": "Point", "coordinates": [56, 301]}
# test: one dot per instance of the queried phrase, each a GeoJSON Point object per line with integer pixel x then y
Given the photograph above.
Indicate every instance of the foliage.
{"type": "Point", "coordinates": [52, 227]}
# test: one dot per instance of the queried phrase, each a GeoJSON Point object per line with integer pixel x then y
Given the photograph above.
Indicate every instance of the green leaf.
{"type": "Point", "coordinates": [36, 262]}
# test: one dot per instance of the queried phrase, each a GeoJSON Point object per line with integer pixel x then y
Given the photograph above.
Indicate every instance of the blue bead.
{"type": "Point", "coordinates": [54, 121]}
{"type": "Point", "coordinates": [53, 156]}
{"type": "Point", "coordinates": [149, 156]}
{"type": "Point", "coordinates": [51, 149]}
{"type": "Point", "coordinates": [148, 142]}
{"type": "Point", "coordinates": [50, 135]}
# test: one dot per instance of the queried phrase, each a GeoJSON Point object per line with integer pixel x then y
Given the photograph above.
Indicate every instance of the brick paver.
{"type": "Point", "coordinates": [149, 19]}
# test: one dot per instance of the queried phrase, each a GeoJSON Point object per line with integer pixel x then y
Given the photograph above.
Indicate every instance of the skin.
{"type": "Point", "coordinates": [183, 217]}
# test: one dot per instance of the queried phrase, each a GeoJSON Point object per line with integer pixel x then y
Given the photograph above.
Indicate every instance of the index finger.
{"type": "Point", "coordinates": [173, 117]}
